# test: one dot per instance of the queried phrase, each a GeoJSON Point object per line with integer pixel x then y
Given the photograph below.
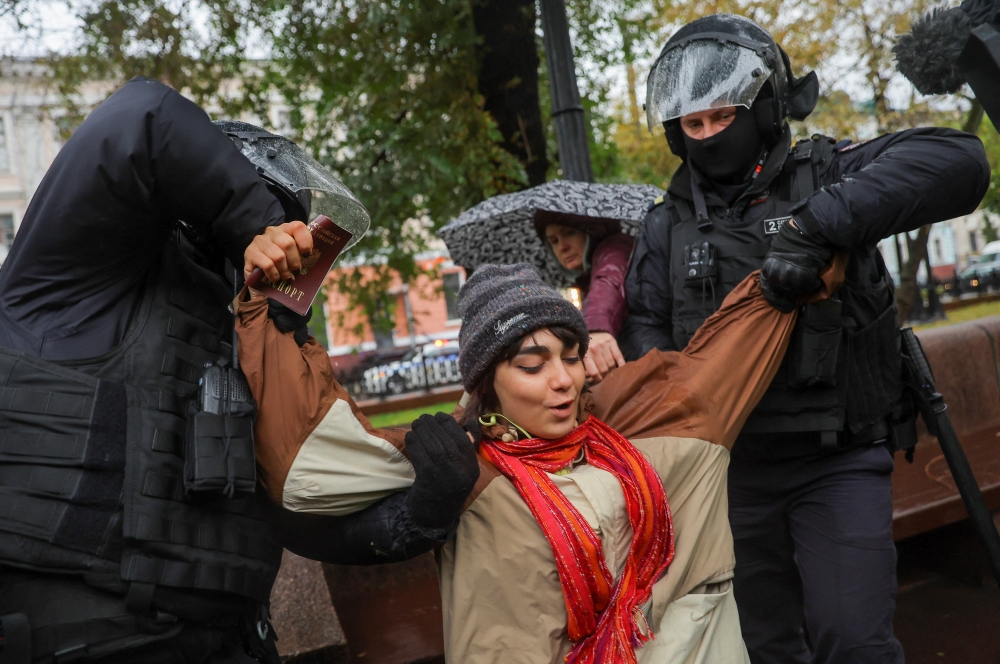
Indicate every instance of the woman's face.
{"type": "Point", "coordinates": [540, 387]}
{"type": "Point", "coordinates": [568, 244]}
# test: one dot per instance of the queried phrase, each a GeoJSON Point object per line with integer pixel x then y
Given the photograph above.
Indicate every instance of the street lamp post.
{"type": "Point", "coordinates": [571, 128]}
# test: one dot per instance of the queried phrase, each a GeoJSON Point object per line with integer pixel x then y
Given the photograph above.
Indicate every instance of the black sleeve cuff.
{"type": "Point", "coordinates": [805, 220]}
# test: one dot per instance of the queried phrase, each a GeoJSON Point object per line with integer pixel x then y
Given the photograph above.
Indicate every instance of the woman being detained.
{"type": "Point", "coordinates": [597, 527]}
{"type": "Point", "coordinates": [598, 530]}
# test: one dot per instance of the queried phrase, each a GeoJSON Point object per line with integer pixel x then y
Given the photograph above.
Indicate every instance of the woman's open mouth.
{"type": "Point", "coordinates": [563, 409]}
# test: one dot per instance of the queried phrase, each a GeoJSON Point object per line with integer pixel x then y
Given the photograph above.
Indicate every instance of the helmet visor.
{"type": "Point", "coordinates": [704, 74]}
{"type": "Point", "coordinates": [319, 190]}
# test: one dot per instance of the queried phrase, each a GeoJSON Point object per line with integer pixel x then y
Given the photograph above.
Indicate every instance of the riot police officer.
{"type": "Point", "coordinates": [809, 480]}
{"type": "Point", "coordinates": [112, 300]}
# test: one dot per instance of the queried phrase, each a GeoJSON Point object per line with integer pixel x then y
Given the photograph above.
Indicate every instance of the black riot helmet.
{"type": "Point", "coordinates": [304, 187]}
{"type": "Point", "coordinates": [726, 60]}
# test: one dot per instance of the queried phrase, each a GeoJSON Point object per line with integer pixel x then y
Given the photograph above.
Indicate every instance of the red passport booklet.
{"type": "Point", "coordinates": [329, 240]}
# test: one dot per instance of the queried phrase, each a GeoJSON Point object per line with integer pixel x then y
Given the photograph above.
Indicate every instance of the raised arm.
{"type": "Point", "coordinates": [896, 183]}
{"type": "Point", "coordinates": [708, 390]}
{"type": "Point", "coordinates": [144, 159]}
{"type": "Point", "coordinates": [342, 490]}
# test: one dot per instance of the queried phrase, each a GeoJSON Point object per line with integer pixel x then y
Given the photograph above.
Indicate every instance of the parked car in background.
{"type": "Point", "coordinates": [985, 272]}
{"type": "Point", "coordinates": [429, 365]}
{"type": "Point", "coordinates": [353, 378]}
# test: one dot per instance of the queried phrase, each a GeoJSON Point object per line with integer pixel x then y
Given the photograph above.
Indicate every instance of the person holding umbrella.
{"type": "Point", "coordinates": [593, 253]}
{"type": "Point", "coordinates": [576, 233]}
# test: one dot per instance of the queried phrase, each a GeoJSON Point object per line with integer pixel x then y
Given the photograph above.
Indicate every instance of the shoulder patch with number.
{"type": "Point", "coordinates": [772, 226]}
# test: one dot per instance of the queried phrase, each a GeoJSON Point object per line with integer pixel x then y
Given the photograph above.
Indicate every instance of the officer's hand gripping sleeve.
{"type": "Point", "coordinates": [791, 268]}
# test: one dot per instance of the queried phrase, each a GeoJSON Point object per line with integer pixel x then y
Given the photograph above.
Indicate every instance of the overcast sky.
{"type": "Point", "coordinates": [53, 25]}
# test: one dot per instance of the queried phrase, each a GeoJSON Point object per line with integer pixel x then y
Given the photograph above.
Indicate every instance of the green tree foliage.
{"type": "Point", "coordinates": [839, 38]}
{"type": "Point", "coordinates": [610, 36]}
{"type": "Point", "coordinates": [385, 94]}
{"type": "Point", "coordinates": [991, 140]}
{"type": "Point", "coordinates": [191, 46]}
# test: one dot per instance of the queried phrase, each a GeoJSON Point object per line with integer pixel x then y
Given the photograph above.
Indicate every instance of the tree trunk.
{"type": "Point", "coordinates": [508, 79]}
{"type": "Point", "coordinates": [917, 251]}
{"type": "Point", "coordinates": [975, 117]}
{"type": "Point", "coordinates": [633, 100]}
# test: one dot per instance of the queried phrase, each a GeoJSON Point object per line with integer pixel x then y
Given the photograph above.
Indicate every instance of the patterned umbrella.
{"type": "Point", "coordinates": [502, 229]}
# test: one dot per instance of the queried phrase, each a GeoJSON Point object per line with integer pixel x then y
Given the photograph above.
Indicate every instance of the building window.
{"type": "Point", "coordinates": [6, 229]}
{"type": "Point", "coordinates": [973, 243]}
{"type": "Point", "coordinates": [4, 165]}
{"type": "Point", "coordinates": [452, 282]}
{"type": "Point", "coordinates": [937, 250]}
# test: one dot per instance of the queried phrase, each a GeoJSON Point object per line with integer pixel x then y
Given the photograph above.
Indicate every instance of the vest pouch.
{"type": "Point", "coordinates": [813, 350]}
{"type": "Point", "coordinates": [875, 371]}
{"type": "Point", "coordinates": [218, 452]}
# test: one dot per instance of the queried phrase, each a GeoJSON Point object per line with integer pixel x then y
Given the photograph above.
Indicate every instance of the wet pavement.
{"type": "Point", "coordinates": [948, 607]}
{"type": "Point", "coordinates": [939, 619]}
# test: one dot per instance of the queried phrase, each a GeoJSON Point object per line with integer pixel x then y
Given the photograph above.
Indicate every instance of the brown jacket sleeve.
{"type": "Point", "coordinates": [294, 388]}
{"type": "Point", "coordinates": [708, 390]}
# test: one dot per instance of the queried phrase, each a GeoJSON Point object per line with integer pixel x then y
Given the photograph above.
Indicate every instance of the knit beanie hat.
{"type": "Point", "coordinates": [499, 305]}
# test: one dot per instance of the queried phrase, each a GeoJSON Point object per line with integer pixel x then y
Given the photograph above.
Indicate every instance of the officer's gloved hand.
{"type": "Point", "coordinates": [792, 266]}
{"type": "Point", "coordinates": [445, 463]}
{"type": "Point", "coordinates": [287, 320]}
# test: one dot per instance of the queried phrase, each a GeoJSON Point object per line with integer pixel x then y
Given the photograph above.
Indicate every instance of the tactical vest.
{"type": "Point", "coordinates": [91, 455]}
{"type": "Point", "coordinates": [709, 257]}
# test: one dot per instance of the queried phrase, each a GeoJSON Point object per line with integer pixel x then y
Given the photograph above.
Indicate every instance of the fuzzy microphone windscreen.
{"type": "Point", "coordinates": [927, 55]}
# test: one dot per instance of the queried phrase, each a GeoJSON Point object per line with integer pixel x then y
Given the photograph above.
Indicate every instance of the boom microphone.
{"type": "Point", "coordinates": [928, 55]}
{"type": "Point", "coordinates": [947, 48]}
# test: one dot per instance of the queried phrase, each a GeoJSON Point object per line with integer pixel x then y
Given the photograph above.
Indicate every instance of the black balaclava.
{"type": "Point", "coordinates": [728, 157]}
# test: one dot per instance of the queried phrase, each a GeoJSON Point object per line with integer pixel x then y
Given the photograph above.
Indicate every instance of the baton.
{"type": "Point", "coordinates": [935, 415]}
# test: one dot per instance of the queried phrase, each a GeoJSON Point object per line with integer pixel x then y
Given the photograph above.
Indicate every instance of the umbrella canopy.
{"type": "Point", "coordinates": [502, 229]}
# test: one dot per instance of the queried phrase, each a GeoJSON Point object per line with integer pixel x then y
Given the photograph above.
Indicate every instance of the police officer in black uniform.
{"type": "Point", "coordinates": [115, 545]}
{"type": "Point", "coordinates": [810, 498]}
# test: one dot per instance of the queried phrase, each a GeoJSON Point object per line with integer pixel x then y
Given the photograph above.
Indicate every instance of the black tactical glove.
{"type": "Point", "coordinates": [287, 320]}
{"type": "Point", "coordinates": [791, 268]}
{"type": "Point", "coordinates": [381, 533]}
{"type": "Point", "coordinates": [445, 463]}
{"type": "Point", "coordinates": [476, 431]}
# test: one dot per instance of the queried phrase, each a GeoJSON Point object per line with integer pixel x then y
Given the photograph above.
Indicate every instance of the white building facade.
{"type": "Point", "coordinates": [950, 245]}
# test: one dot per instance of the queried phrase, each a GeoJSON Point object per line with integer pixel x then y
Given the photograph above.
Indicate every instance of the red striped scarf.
{"type": "Point", "coordinates": [603, 613]}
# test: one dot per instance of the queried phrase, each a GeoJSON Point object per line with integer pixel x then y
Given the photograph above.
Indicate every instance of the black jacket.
{"type": "Point", "coordinates": [870, 190]}
{"type": "Point", "coordinates": [98, 222]}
